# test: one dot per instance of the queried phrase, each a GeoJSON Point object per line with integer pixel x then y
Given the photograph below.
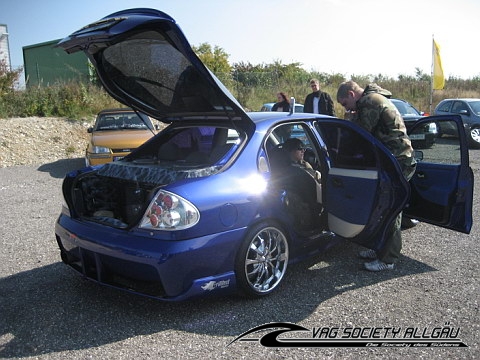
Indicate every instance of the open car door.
{"type": "Point", "coordinates": [442, 186]}
{"type": "Point", "coordinates": [364, 188]}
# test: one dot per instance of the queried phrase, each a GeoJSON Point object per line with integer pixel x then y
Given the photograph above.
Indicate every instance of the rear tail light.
{"type": "Point", "coordinates": [168, 211]}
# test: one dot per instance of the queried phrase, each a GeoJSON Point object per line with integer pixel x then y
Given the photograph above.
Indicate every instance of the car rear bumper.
{"type": "Point", "coordinates": [137, 262]}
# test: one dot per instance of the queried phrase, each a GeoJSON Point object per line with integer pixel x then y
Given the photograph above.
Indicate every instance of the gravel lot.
{"type": "Point", "coordinates": [36, 140]}
{"type": "Point", "coordinates": [48, 312]}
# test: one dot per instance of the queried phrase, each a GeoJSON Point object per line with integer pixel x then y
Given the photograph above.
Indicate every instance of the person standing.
{"type": "Point", "coordinates": [372, 110]}
{"type": "Point", "coordinates": [282, 104]}
{"type": "Point", "coordinates": [318, 102]}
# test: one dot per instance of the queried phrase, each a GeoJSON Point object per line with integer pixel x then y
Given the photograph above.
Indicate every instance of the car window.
{"type": "Point", "coordinates": [405, 109]}
{"type": "Point", "coordinates": [283, 132]}
{"type": "Point", "coordinates": [199, 145]}
{"type": "Point", "coordinates": [475, 105]}
{"type": "Point", "coordinates": [445, 149]}
{"type": "Point", "coordinates": [148, 69]}
{"type": "Point", "coordinates": [458, 106]}
{"type": "Point", "coordinates": [120, 121]}
{"type": "Point", "coordinates": [402, 109]}
{"type": "Point", "coordinates": [445, 106]}
{"type": "Point", "coordinates": [410, 110]}
{"type": "Point", "coordinates": [347, 148]}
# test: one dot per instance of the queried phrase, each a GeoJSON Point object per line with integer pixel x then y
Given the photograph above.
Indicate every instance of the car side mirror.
{"type": "Point", "coordinates": [90, 130]}
{"type": "Point", "coordinates": [418, 155]}
{"type": "Point", "coordinates": [464, 112]}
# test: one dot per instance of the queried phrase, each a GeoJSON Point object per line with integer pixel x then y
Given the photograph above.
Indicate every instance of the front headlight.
{"type": "Point", "coordinates": [168, 211]}
{"type": "Point", "coordinates": [100, 150]}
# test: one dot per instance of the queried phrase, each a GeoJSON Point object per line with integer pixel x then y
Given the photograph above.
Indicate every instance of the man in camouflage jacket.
{"type": "Point", "coordinates": [372, 110]}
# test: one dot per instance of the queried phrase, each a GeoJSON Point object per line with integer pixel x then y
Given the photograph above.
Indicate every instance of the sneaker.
{"type": "Point", "coordinates": [377, 265]}
{"type": "Point", "coordinates": [368, 254]}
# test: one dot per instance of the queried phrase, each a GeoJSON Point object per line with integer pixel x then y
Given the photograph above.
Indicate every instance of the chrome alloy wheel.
{"type": "Point", "coordinates": [264, 260]}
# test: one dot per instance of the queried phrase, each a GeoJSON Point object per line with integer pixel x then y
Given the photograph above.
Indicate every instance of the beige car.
{"type": "Point", "coordinates": [116, 133]}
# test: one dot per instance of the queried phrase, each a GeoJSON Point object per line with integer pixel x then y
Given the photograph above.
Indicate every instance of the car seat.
{"type": "Point", "coordinates": [300, 186]}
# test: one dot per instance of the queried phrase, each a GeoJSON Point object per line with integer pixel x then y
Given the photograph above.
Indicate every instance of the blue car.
{"type": "Point", "coordinates": [209, 205]}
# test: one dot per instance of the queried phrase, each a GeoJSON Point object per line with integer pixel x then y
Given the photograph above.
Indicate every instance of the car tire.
{"type": "Point", "coordinates": [262, 260]}
{"type": "Point", "coordinates": [474, 137]}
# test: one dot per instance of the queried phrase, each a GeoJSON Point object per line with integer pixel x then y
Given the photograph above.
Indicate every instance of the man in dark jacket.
{"type": "Point", "coordinates": [372, 110]}
{"type": "Point", "coordinates": [318, 102]}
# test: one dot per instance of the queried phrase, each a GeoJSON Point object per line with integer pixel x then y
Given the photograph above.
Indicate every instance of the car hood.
{"type": "Point", "coordinates": [144, 61]}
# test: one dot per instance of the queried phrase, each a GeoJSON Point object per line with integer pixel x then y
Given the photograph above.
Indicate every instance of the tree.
{"type": "Point", "coordinates": [216, 59]}
{"type": "Point", "coordinates": [8, 78]}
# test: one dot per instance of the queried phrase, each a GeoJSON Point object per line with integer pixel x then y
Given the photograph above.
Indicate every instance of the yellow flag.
{"type": "Point", "coordinates": [438, 78]}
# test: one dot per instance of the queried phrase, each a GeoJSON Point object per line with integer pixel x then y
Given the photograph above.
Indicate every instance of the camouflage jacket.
{"type": "Point", "coordinates": [380, 117]}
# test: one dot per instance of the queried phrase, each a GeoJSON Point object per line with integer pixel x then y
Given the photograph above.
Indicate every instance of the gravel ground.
{"type": "Point", "coordinates": [35, 140]}
{"type": "Point", "coordinates": [48, 312]}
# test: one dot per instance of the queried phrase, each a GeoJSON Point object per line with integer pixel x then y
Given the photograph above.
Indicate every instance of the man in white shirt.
{"type": "Point", "coordinates": [318, 102]}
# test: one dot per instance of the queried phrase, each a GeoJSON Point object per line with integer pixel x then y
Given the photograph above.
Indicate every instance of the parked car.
{"type": "Point", "coordinates": [207, 206]}
{"type": "Point", "coordinates": [469, 110]}
{"type": "Point", "coordinates": [115, 134]}
{"type": "Point", "coordinates": [422, 138]}
{"type": "Point", "coordinates": [268, 107]}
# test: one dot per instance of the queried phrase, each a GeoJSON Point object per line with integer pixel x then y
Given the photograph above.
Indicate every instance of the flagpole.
{"type": "Point", "coordinates": [431, 75]}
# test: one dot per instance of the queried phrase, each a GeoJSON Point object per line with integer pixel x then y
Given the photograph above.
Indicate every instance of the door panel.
{"type": "Point", "coordinates": [364, 188]}
{"type": "Point", "coordinates": [442, 186]}
{"type": "Point", "coordinates": [348, 208]}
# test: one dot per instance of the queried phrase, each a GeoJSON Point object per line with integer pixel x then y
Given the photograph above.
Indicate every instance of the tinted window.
{"type": "Point", "coordinates": [191, 146]}
{"type": "Point", "coordinates": [475, 105]}
{"type": "Point", "coordinates": [459, 106]}
{"type": "Point", "coordinates": [405, 108]}
{"type": "Point", "coordinates": [347, 148]}
{"type": "Point", "coordinates": [445, 106]}
{"type": "Point", "coordinates": [151, 71]}
{"type": "Point", "coordinates": [286, 131]}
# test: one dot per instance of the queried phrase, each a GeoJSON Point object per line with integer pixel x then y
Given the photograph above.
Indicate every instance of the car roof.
{"type": "Point", "coordinates": [259, 117]}
{"type": "Point", "coordinates": [462, 99]}
{"type": "Point", "coordinates": [116, 110]}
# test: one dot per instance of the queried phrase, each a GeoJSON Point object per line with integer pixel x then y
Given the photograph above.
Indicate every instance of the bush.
{"type": "Point", "coordinates": [72, 100]}
{"type": "Point", "coordinates": [251, 85]}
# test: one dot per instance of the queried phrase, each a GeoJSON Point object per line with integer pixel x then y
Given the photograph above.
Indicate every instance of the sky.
{"type": "Point", "coordinates": [349, 37]}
